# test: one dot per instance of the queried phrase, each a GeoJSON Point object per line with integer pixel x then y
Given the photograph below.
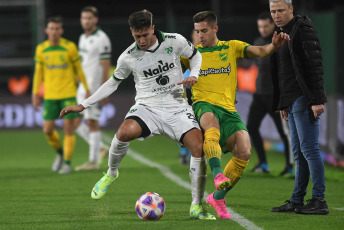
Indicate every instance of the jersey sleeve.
{"type": "Point", "coordinates": [184, 47]}
{"type": "Point", "coordinates": [38, 74]}
{"type": "Point", "coordinates": [240, 48]}
{"type": "Point", "coordinates": [105, 48]}
{"type": "Point", "coordinates": [185, 63]}
{"type": "Point", "coordinates": [73, 53]}
{"type": "Point", "coordinates": [122, 70]}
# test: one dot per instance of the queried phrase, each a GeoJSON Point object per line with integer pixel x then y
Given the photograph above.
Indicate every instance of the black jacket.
{"type": "Point", "coordinates": [305, 53]}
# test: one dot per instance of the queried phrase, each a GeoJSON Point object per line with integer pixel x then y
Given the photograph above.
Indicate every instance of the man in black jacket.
{"type": "Point", "coordinates": [262, 102]}
{"type": "Point", "coordinates": [299, 95]}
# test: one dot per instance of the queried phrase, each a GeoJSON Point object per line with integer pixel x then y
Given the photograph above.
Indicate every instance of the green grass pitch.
{"type": "Point", "coordinates": [34, 197]}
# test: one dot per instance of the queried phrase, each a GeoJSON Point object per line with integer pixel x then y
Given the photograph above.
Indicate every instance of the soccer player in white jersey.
{"type": "Point", "coordinates": [160, 106]}
{"type": "Point", "coordinates": [95, 51]}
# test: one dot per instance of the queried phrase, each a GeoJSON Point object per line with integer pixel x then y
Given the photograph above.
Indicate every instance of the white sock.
{"type": "Point", "coordinates": [117, 151]}
{"type": "Point", "coordinates": [198, 177]}
{"type": "Point", "coordinates": [95, 139]}
{"type": "Point", "coordinates": [84, 132]}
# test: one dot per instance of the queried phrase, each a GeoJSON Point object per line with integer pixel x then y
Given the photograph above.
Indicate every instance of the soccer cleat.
{"type": "Point", "coordinates": [288, 171]}
{"type": "Point", "coordinates": [88, 166]}
{"type": "Point", "coordinates": [104, 151]}
{"type": "Point", "coordinates": [221, 182]}
{"type": "Point", "coordinates": [197, 211]}
{"type": "Point", "coordinates": [100, 188]}
{"type": "Point", "coordinates": [65, 169]}
{"type": "Point", "coordinates": [57, 163]}
{"type": "Point", "coordinates": [219, 206]}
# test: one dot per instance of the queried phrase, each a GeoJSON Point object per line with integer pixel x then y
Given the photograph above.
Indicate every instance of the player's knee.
{"type": "Point", "coordinates": [197, 150]}
{"type": "Point", "coordinates": [125, 135]}
{"type": "Point", "coordinates": [47, 131]}
{"type": "Point", "coordinates": [244, 153]}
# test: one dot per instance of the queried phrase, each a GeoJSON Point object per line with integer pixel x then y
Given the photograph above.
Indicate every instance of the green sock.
{"type": "Point", "coordinates": [66, 162]}
{"type": "Point", "coordinates": [219, 195]}
{"type": "Point", "coordinates": [215, 166]}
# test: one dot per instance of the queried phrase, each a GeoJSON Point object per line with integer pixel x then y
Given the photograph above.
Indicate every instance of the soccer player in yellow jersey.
{"type": "Point", "coordinates": [58, 66]}
{"type": "Point", "coordinates": [213, 98]}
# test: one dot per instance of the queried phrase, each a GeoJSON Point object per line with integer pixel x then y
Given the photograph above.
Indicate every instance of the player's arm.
{"type": "Point", "coordinates": [106, 64]}
{"type": "Point", "coordinates": [263, 51]}
{"type": "Point", "coordinates": [189, 51]}
{"type": "Point", "coordinates": [37, 81]}
{"type": "Point", "coordinates": [103, 91]}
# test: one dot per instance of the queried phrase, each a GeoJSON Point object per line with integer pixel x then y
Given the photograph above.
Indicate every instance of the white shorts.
{"type": "Point", "coordinates": [172, 122]}
{"type": "Point", "coordinates": [91, 113]}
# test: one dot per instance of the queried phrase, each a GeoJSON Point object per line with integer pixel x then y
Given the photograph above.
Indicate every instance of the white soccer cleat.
{"type": "Point", "coordinates": [65, 169]}
{"type": "Point", "coordinates": [57, 163]}
{"type": "Point", "coordinates": [88, 166]}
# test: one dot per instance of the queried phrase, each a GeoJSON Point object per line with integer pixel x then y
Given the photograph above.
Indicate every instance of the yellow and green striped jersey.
{"type": "Point", "coordinates": [217, 82]}
{"type": "Point", "coordinates": [58, 67]}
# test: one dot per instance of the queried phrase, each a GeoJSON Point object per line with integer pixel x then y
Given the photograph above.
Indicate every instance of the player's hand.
{"type": "Point", "coordinates": [189, 81]}
{"type": "Point", "coordinates": [88, 94]}
{"type": "Point", "coordinates": [317, 110]}
{"type": "Point", "coordinates": [280, 39]}
{"type": "Point", "coordinates": [71, 109]}
{"type": "Point", "coordinates": [35, 101]}
{"type": "Point", "coordinates": [284, 114]}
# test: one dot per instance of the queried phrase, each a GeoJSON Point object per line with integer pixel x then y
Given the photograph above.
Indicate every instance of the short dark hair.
{"type": "Point", "coordinates": [205, 16]}
{"type": "Point", "coordinates": [55, 19]}
{"type": "Point", "coordinates": [265, 15]}
{"type": "Point", "coordinates": [141, 20]}
{"type": "Point", "coordinates": [91, 9]}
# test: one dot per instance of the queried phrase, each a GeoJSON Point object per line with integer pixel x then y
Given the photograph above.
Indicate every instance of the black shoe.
{"type": "Point", "coordinates": [288, 207]}
{"type": "Point", "coordinates": [287, 171]}
{"type": "Point", "coordinates": [313, 207]}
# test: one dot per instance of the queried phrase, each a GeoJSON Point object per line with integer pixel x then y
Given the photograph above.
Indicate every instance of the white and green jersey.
{"type": "Point", "coordinates": [158, 70]}
{"type": "Point", "coordinates": [93, 49]}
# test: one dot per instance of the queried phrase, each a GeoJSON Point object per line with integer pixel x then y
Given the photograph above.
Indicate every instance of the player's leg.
{"type": "Point", "coordinates": [255, 116]}
{"type": "Point", "coordinates": [51, 110]}
{"type": "Point", "coordinates": [94, 147]}
{"type": "Point", "coordinates": [212, 149]}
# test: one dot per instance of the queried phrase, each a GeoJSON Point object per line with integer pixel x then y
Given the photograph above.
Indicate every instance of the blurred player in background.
{"type": "Point", "coordinates": [262, 102]}
{"type": "Point", "coordinates": [184, 153]}
{"type": "Point", "coordinates": [160, 108]}
{"type": "Point", "coordinates": [213, 98]}
{"type": "Point", "coordinates": [95, 51]}
{"type": "Point", "coordinates": [57, 64]}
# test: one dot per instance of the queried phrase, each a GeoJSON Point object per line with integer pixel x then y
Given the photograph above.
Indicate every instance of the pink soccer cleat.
{"type": "Point", "coordinates": [221, 182]}
{"type": "Point", "coordinates": [219, 206]}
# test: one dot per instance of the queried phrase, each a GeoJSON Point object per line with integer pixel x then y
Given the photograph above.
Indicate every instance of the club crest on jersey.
{"type": "Point", "coordinates": [159, 70]}
{"type": "Point", "coordinates": [169, 50]}
{"type": "Point", "coordinates": [223, 57]}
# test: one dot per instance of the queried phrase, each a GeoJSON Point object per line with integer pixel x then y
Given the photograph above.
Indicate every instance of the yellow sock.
{"type": "Point", "coordinates": [68, 147]}
{"type": "Point", "coordinates": [54, 140]}
{"type": "Point", "coordinates": [211, 146]}
{"type": "Point", "coordinates": [234, 169]}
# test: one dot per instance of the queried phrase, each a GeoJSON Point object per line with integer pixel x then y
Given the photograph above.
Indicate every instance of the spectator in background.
{"type": "Point", "coordinates": [57, 64]}
{"type": "Point", "coordinates": [300, 97]}
{"type": "Point", "coordinates": [262, 102]}
{"type": "Point", "coordinates": [95, 51]}
{"type": "Point", "coordinates": [184, 153]}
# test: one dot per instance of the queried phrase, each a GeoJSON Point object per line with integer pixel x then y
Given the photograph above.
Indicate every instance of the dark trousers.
{"type": "Point", "coordinates": [260, 106]}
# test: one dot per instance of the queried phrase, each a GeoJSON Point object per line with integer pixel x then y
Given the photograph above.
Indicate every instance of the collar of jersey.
{"type": "Point", "coordinates": [161, 38]}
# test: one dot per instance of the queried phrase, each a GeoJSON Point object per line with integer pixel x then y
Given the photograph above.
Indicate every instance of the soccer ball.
{"type": "Point", "coordinates": [150, 206]}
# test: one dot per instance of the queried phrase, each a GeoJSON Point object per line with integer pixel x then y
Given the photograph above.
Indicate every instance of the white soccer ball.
{"type": "Point", "coordinates": [150, 206]}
